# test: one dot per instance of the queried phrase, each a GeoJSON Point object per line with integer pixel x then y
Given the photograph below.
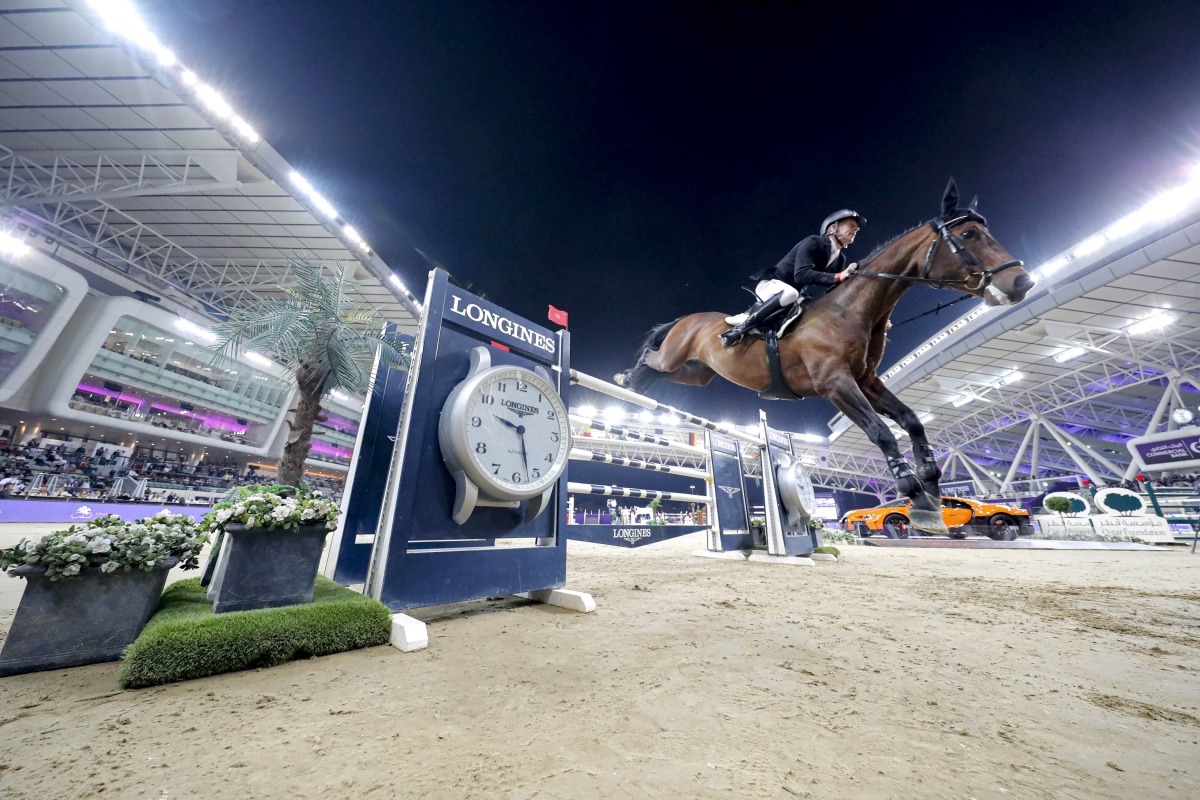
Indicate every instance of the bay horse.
{"type": "Point", "coordinates": [835, 349]}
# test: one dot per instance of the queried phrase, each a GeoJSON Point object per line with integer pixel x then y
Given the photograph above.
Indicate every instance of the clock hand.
{"type": "Point", "coordinates": [524, 455]}
{"type": "Point", "coordinates": [508, 423]}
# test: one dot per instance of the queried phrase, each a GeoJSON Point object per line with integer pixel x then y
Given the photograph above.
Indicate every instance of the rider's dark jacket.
{"type": "Point", "coordinates": [810, 263]}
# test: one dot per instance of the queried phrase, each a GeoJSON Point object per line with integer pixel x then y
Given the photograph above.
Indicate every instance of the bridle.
{"type": "Point", "coordinates": [978, 278]}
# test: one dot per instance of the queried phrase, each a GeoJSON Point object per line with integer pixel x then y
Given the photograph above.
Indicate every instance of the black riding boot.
{"type": "Point", "coordinates": [757, 314]}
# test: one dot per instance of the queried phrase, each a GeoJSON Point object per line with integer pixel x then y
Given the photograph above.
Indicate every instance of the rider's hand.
{"type": "Point", "coordinates": [847, 272]}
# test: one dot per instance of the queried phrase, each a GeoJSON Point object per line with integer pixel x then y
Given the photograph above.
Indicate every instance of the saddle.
{"type": "Point", "coordinates": [777, 325]}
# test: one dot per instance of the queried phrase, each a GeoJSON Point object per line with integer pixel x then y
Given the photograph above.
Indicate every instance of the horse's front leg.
{"type": "Point", "coordinates": [886, 403]}
{"type": "Point", "coordinates": [846, 395]}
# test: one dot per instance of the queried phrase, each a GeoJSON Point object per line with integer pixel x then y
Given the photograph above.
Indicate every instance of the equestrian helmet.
{"type": "Point", "coordinates": [838, 216]}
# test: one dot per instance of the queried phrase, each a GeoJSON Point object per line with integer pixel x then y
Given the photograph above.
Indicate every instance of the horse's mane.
{"type": "Point", "coordinates": [880, 248]}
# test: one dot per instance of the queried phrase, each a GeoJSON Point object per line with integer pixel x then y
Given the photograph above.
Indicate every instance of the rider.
{"type": "Point", "coordinates": [815, 261]}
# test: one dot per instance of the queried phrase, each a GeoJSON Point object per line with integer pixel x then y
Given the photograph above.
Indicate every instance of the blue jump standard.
{"type": "Point", "coordinates": [1020, 544]}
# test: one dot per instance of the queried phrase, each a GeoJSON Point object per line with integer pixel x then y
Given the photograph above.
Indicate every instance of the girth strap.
{"type": "Point", "coordinates": [777, 389]}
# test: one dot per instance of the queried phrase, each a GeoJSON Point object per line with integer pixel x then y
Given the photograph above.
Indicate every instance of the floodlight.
{"type": "Point", "coordinates": [1150, 324]}
{"type": "Point", "coordinates": [212, 99]}
{"type": "Point", "coordinates": [614, 415]}
{"type": "Point", "coordinates": [587, 411]}
{"type": "Point", "coordinates": [645, 416]}
{"type": "Point", "coordinates": [1011, 377]}
{"type": "Point", "coordinates": [1069, 354]}
{"type": "Point", "coordinates": [12, 246]}
{"type": "Point", "coordinates": [810, 438]}
{"type": "Point", "coordinates": [925, 416]}
{"type": "Point", "coordinates": [259, 359]}
{"type": "Point", "coordinates": [192, 329]}
{"type": "Point", "coordinates": [1090, 245]}
{"type": "Point", "coordinates": [963, 400]}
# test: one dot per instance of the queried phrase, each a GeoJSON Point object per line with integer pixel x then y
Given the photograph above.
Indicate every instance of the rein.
{"type": "Point", "coordinates": [975, 271]}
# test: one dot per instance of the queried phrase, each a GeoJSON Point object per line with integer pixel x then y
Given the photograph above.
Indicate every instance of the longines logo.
{"type": "Point", "coordinates": [729, 490]}
{"type": "Point", "coordinates": [83, 512]}
{"type": "Point", "coordinates": [520, 409]}
{"type": "Point", "coordinates": [491, 319]}
{"type": "Point", "coordinates": [631, 534]}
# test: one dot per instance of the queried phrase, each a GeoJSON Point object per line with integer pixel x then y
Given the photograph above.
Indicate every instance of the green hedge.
{"type": "Point", "coordinates": [185, 639]}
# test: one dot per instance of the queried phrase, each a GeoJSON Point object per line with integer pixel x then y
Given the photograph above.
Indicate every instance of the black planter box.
{"type": "Point", "coordinates": [83, 620]}
{"type": "Point", "coordinates": [261, 568]}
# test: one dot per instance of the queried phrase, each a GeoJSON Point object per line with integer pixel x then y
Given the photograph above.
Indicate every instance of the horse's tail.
{"type": "Point", "coordinates": [654, 338]}
{"type": "Point", "coordinates": [641, 376]}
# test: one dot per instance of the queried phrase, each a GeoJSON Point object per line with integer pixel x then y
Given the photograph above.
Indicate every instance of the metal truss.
{"type": "Point", "coordinates": [52, 176]}
{"type": "Point", "coordinates": [111, 237]}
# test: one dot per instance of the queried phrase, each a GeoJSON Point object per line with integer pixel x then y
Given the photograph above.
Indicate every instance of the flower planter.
{"type": "Point", "coordinates": [266, 568]}
{"type": "Point", "coordinates": [85, 620]}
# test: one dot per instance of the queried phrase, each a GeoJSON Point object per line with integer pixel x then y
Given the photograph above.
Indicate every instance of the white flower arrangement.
{"type": "Point", "coordinates": [257, 507]}
{"type": "Point", "coordinates": [109, 543]}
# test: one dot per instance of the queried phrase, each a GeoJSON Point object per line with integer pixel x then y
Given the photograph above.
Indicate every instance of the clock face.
{"type": "Point", "coordinates": [517, 431]}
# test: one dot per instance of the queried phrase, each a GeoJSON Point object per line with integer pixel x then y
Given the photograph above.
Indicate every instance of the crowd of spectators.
{"type": "Point", "coordinates": [66, 471]}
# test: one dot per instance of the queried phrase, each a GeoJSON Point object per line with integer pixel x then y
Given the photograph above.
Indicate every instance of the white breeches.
{"type": "Point", "coordinates": [765, 290]}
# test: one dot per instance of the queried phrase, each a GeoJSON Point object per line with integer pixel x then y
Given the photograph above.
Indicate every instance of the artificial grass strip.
{"type": "Point", "coordinates": [185, 639]}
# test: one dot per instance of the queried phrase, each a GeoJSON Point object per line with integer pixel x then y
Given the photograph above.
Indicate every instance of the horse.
{"type": "Point", "coordinates": [835, 349]}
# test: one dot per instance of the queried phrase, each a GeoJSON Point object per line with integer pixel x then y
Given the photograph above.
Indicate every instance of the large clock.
{"type": "Point", "coordinates": [795, 490]}
{"type": "Point", "coordinates": [505, 437]}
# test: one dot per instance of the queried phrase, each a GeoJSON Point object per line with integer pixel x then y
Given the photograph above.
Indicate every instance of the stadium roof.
{"type": "Point", "coordinates": [1107, 344]}
{"type": "Point", "coordinates": [122, 160]}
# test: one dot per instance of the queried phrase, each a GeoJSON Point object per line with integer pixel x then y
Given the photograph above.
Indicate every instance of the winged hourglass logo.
{"type": "Point", "coordinates": [729, 490]}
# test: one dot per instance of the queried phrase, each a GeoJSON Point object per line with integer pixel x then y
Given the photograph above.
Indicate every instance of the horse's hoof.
{"type": "Point", "coordinates": [928, 521]}
{"type": "Point", "coordinates": [619, 379]}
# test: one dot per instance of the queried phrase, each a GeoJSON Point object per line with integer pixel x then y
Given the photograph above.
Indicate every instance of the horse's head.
{"type": "Point", "coordinates": [964, 255]}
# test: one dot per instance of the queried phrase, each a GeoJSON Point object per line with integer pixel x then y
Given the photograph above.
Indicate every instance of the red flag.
{"type": "Point", "coordinates": [557, 316]}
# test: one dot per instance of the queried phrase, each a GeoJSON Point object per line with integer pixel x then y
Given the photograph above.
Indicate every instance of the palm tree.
{"type": "Point", "coordinates": [324, 339]}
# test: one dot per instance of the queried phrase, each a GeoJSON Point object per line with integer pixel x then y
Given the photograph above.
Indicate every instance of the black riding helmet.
{"type": "Point", "coordinates": [838, 216]}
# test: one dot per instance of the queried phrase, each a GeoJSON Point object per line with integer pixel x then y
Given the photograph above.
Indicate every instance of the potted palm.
{"type": "Point", "coordinates": [325, 341]}
{"type": "Point", "coordinates": [270, 547]}
{"type": "Point", "coordinates": [90, 590]}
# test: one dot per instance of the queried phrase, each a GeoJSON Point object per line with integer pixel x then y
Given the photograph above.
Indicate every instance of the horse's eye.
{"type": "Point", "coordinates": [968, 234]}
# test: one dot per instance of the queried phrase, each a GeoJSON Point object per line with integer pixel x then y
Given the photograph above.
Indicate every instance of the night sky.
{"type": "Point", "coordinates": [634, 162]}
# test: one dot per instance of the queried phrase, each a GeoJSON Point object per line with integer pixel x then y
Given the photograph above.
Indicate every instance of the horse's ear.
{"type": "Point", "coordinates": [974, 204]}
{"type": "Point", "coordinates": [950, 198]}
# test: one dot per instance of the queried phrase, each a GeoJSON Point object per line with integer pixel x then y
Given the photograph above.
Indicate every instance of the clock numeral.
{"type": "Point", "coordinates": [522, 386]}
{"type": "Point", "coordinates": [495, 469]}
{"type": "Point", "coordinates": [535, 473]}
{"type": "Point", "coordinates": [480, 447]}
{"type": "Point", "coordinates": [554, 436]}
{"type": "Point", "coordinates": [488, 400]}
{"type": "Point", "coordinates": [550, 458]}
{"type": "Point", "coordinates": [476, 422]}
{"type": "Point", "coordinates": [516, 477]}
{"type": "Point", "coordinates": [550, 415]}
{"type": "Point", "coordinates": [503, 386]}
{"type": "Point", "coordinates": [540, 398]}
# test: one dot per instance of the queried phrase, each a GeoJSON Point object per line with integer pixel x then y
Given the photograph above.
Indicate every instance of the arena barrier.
{"type": "Point", "coordinates": [728, 526]}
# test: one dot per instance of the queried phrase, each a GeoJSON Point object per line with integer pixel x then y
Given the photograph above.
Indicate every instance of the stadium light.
{"type": "Point", "coordinates": [194, 330]}
{"type": "Point", "coordinates": [312, 194]}
{"type": "Point", "coordinates": [259, 359]}
{"type": "Point", "coordinates": [589, 412]}
{"type": "Point", "coordinates": [810, 438]}
{"type": "Point", "coordinates": [963, 400]}
{"type": "Point", "coordinates": [613, 415]}
{"type": "Point", "coordinates": [1069, 354]}
{"type": "Point", "coordinates": [1150, 324]}
{"type": "Point", "coordinates": [12, 246]}
{"type": "Point", "coordinates": [645, 416]}
{"type": "Point", "coordinates": [1011, 377]}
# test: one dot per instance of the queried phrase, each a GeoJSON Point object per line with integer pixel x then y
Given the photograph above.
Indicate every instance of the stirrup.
{"type": "Point", "coordinates": [731, 338]}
